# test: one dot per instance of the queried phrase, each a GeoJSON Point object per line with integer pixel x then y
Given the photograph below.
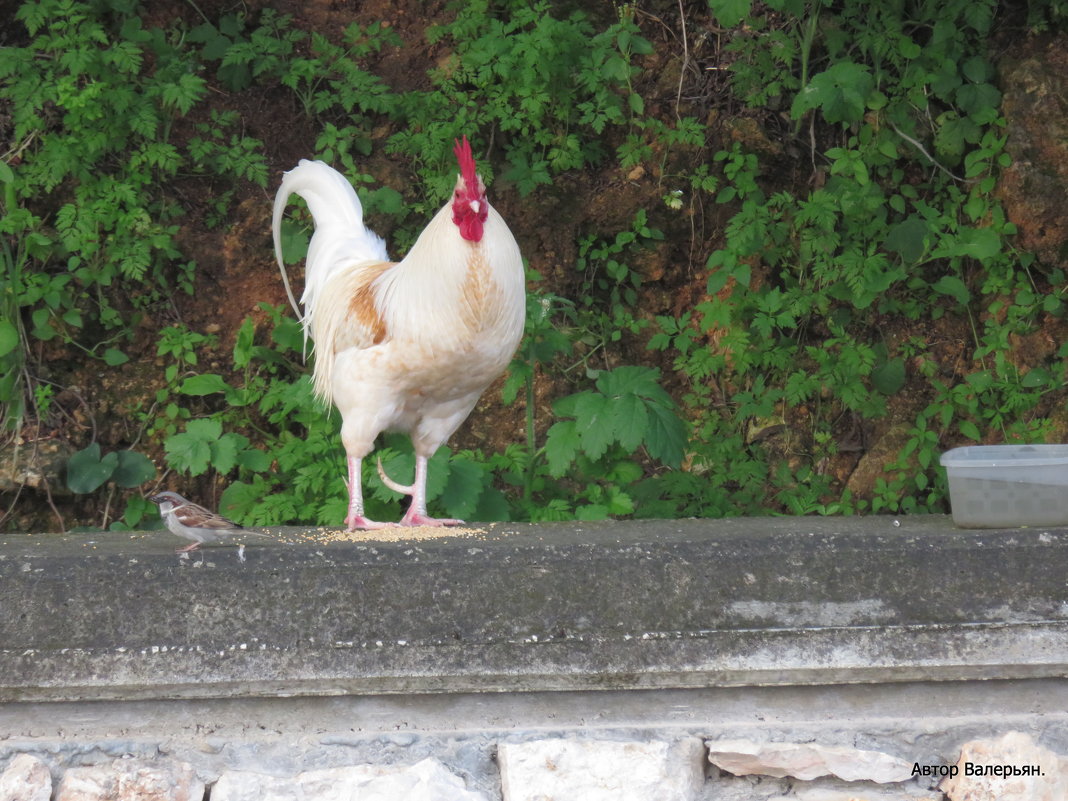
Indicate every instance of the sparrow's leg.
{"type": "Point", "coordinates": [355, 519]}
{"type": "Point", "coordinates": [191, 547]}
{"type": "Point", "coordinates": [416, 514]}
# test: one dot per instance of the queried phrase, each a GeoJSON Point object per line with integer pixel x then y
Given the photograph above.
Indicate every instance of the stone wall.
{"type": "Point", "coordinates": [863, 659]}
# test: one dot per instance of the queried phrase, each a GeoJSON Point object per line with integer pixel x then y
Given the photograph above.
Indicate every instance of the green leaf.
{"type": "Point", "coordinates": [114, 357]}
{"type": "Point", "coordinates": [224, 451]}
{"type": "Point", "coordinates": [970, 430]}
{"type": "Point", "coordinates": [463, 489]}
{"type": "Point", "coordinates": [889, 377]}
{"type": "Point", "coordinates": [730, 12]}
{"type": "Point", "coordinates": [87, 471]}
{"type": "Point", "coordinates": [840, 92]}
{"type": "Point", "coordinates": [243, 343]}
{"type": "Point", "coordinates": [191, 451]}
{"type": "Point", "coordinates": [492, 505]}
{"type": "Point", "coordinates": [666, 438]}
{"type": "Point", "coordinates": [133, 469]}
{"type": "Point", "coordinates": [240, 498]}
{"type": "Point", "coordinates": [1036, 377]}
{"type": "Point", "coordinates": [9, 337]}
{"type": "Point", "coordinates": [288, 334]}
{"type": "Point", "coordinates": [907, 239]}
{"type": "Point", "coordinates": [207, 384]}
{"type": "Point", "coordinates": [561, 446]}
{"type": "Point", "coordinates": [593, 419]}
{"type": "Point", "coordinates": [954, 287]}
{"type": "Point", "coordinates": [979, 243]}
{"type": "Point", "coordinates": [629, 422]}
{"type": "Point", "coordinates": [295, 241]}
{"type": "Point", "coordinates": [188, 454]}
{"type": "Point", "coordinates": [592, 511]}
{"type": "Point", "coordinates": [255, 460]}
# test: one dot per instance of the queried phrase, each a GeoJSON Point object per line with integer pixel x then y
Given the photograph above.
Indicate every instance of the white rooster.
{"type": "Point", "coordinates": [406, 346]}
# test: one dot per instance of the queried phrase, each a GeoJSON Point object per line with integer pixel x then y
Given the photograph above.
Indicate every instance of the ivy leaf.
{"type": "Point", "coordinates": [87, 470]}
{"type": "Point", "coordinates": [133, 469]}
{"type": "Point", "coordinates": [889, 377]}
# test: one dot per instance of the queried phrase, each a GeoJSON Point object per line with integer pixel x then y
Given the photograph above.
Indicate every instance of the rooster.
{"type": "Point", "coordinates": [406, 346]}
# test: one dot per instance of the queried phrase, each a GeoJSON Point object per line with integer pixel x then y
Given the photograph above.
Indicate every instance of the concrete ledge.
{"type": "Point", "coordinates": [531, 608]}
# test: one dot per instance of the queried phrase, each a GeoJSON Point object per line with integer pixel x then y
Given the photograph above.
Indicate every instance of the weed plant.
{"type": "Point", "coordinates": [894, 106]}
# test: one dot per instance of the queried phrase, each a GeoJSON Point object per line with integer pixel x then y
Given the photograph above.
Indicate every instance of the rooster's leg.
{"type": "Point", "coordinates": [355, 518]}
{"type": "Point", "coordinates": [416, 514]}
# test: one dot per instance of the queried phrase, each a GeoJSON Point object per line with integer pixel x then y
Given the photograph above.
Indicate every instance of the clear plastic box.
{"type": "Point", "coordinates": [998, 486]}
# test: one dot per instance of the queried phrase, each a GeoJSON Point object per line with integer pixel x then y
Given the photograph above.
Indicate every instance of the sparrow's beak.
{"type": "Point", "coordinates": [155, 499]}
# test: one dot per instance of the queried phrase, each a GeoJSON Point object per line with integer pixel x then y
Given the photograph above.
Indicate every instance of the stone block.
{"type": "Point", "coordinates": [26, 778]}
{"type": "Point", "coordinates": [806, 761]}
{"type": "Point", "coordinates": [982, 760]}
{"type": "Point", "coordinates": [428, 780]}
{"type": "Point", "coordinates": [132, 780]}
{"type": "Point", "coordinates": [860, 794]}
{"type": "Point", "coordinates": [573, 769]}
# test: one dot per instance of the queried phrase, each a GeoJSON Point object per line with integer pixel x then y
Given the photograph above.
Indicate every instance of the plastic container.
{"type": "Point", "coordinates": [1002, 486]}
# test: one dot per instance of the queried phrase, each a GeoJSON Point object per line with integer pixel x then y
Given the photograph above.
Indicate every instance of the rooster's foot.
{"type": "Point", "coordinates": [424, 520]}
{"type": "Point", "coordinates": [361, 523]}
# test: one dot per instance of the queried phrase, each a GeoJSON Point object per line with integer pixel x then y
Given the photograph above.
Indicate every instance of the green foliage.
{"type": "Point", "coordinates": [298, 473]}
{"type": "Point", "coordinates": [628, 410]}
{"type": "Point", "coordinates": [890, 237]}
{"type": "Point", "coordinates": [551, 86]}
{"type": "Point", "coordinates": [815, 306]}
{"type": "Point", "coordinates": [87, 469]}
{"type": "Point", "coordinates": [88, 235]}
{"type": "Point", "coordinates": [609, 292]}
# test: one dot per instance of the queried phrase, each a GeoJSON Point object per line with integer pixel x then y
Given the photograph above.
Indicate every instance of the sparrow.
{"type": "Point", "coordinates": [192, 521]}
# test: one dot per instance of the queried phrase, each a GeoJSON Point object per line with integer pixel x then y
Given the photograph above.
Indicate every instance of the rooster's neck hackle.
{"type": "Point", "coordinates": [469, 206]}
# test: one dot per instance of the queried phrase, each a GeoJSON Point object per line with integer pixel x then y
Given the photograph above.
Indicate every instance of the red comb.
{"type": "Point", "coordinates": [466, 161]}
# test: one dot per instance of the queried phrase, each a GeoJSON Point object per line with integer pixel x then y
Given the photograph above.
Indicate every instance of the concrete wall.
{"type": "Point", "coordinates": [635, 650]}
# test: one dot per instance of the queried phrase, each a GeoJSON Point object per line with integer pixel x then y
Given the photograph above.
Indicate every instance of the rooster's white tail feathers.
{"type": "Point", "coordinates": [340, 240]}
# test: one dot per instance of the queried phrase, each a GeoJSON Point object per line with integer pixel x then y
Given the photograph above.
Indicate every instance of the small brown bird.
{"type": "Point", "coordinates": [192, 521]}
